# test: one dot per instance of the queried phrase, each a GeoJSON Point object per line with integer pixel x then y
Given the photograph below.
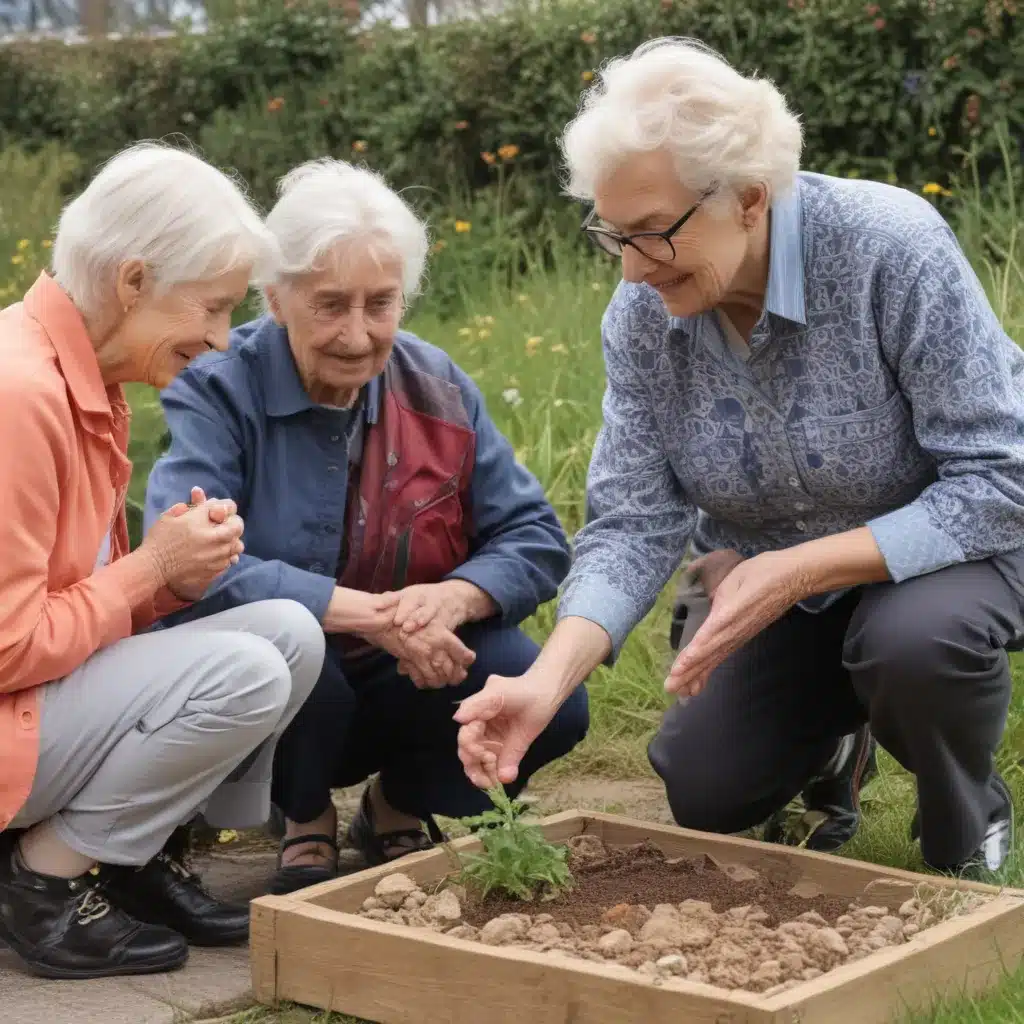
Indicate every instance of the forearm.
{"type": "Point", "coordinates": [470, 603]}
{"type": "Point", "coordinates": [847, 559]}
{"type": "Point", "coordinates": [574, 649]}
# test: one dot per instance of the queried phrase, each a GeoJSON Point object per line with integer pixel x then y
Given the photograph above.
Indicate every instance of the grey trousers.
{"type": "Point", "coordinates": [144, 734]}
{"type": "Point", "coordinates": [924, 661]}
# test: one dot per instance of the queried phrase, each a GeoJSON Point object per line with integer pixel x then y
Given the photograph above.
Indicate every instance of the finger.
{"type": "Point", "coordinates": [177, 510]}
{"type": "Point", "coordinates": [450, 645]}
{"type": "Point", "coordinates": [420, 616]}
{"type": "Point", "coordinates": [198, 496]}
{"type": "Point", "coordinates": [480, 707]}
{"type": "Point", "coordinates": [512, 752]}
{"type": "Point", "coordinates": [409, 602]}
{"type": "Point", "coordinates": [386, 602]}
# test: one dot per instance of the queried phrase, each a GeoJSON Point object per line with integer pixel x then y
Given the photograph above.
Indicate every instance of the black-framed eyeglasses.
{"type": "Point", "coordinates": [655, 245]}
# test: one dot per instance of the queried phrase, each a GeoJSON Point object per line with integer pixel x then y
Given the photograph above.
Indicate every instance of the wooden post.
{"type": "Point", "coordinates": [94, 15]}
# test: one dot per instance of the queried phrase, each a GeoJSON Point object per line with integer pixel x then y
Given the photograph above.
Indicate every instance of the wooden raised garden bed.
{"type": "Point", "coordinates": [705, 928]}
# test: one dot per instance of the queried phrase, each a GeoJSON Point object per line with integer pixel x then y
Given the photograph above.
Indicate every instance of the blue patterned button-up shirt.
{"type": "Point", "coordinates": [879, 390]}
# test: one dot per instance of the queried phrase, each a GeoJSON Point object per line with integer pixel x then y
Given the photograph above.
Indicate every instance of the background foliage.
{"type": "Point", "coordinates": [894, 90]}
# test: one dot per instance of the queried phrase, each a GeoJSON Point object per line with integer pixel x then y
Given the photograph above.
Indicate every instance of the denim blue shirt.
{"type": "Point", "coordinates": [243, 427]}
{"type": "Point", "coordinates": [879, 389]}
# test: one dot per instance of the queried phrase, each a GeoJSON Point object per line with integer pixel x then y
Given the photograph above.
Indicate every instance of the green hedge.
{"type": "Point", "coordinates": [894, 90]}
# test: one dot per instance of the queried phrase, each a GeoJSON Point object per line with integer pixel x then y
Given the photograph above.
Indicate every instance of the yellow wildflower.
{"type": "Point", "coordinates": [227, 835]}
{"type": "Point", "coordinates": [23, 245]}
{"type": "Point", "coordinates": [560, 349]}
{"type": "Point", "coordinates": [360, 145]}
{"type": "Point", "coordinates": [933, 132]}
{"type": "Point", "coordinates": [17, 258]}
{"type": "Point", "coordinates": [483, 333]}
{"type": "Point", "coordinates": [489, 320]}
{"type": "Point", "coordinates": [463, 227]}
{"type": "Point", "coordinates": [587, 76]}
{"type": "Point", "coordinates": [522, 299]}
{"type": "Point", "coordinates": [465, 332]}
{"type": "Point", "coordinates": [508, 152]}
{"type": "Point", "coordinates": [933, 188]}
{"type": "Point", "coordinates": [47, 243]}
{"type": "Point", "coordinates": [532, 344]}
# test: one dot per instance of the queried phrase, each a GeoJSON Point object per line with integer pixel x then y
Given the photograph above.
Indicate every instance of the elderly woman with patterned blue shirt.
{"type": "Point", "coordinates": [806, 382]}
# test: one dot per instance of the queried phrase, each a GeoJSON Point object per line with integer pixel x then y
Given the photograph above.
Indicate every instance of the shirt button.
{"type": "Point", "coordinates": [800, 506]}
{"type": "Point", "coordinates": [317, 567]}
{"type": "Point", "coordinates": [794, 481]}
{"type": "Point", "coordinates": [800, 525]}
{"type": "Point", "coordinates": [335, 437]}
{"type": "Point", "coordinates": [332, 469]}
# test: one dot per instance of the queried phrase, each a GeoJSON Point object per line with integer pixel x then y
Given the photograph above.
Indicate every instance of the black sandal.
{"type": "Point", "coordinates": [384, 847]}
{"type": "Point", "coordinates": [292, 877]}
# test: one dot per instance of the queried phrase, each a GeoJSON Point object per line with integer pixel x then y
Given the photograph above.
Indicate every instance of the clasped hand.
{"type": "Point", "coordinates": [191, 545]}
{"type": "Point", "coordinates": [416, 625]}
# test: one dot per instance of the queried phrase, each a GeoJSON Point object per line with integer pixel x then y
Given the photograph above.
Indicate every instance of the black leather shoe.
{"type": "Point", "coordinates": [994, 848]}
{"type": "Point", "coordinates": [835, 793]}
{"type": "Point", "coordinates": [67, 928]}
{"type": "Point", "coordinates": [165, 892]}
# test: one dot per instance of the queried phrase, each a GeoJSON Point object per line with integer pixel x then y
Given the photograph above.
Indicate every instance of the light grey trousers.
{"type": "Point", "coordinates": [156, 727]}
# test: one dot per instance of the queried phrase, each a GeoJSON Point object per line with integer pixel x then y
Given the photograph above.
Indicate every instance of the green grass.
{"type": "Point", "coordinates": [534, 349]}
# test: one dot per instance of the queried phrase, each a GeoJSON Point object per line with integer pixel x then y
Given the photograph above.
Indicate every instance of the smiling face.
{"type": "Point", "coordinates": [164, 331]}
{"type": "Point", "coordinates": [712, 249]}
{"type": "Point", "coordinates": [342, 321]}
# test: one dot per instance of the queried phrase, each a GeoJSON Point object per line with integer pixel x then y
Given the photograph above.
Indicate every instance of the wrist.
{"type": "Point", "coordinates": [847, 559]}
{"type": "Point", "coordinates": [467, 602]}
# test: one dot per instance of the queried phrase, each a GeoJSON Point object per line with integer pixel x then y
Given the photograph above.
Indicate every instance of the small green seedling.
{"type": "Point", "coordinates": [516, 858]}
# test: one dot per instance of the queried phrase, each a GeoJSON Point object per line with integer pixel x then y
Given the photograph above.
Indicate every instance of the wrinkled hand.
{"type": "Point", "coordinates": [191, 545]}
{"type": "Point", "coordinates": [751, 596]}
{"type": "Point", "coordinates": [498, 724]}
{"type": "Point", "coordinates": [432, 657]}
{"type": "Point", "coordinates": [423, 603]}
{"type": "Point", "coordinates": [360, 613]}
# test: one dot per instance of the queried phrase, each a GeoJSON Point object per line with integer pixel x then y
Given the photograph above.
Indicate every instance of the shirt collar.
{"type": "Point", "coordinates": [785, 293]}
{"type": "Point", "coordinates": [51, 307]}
{"type": "Point", "coordinates": [285, 393]}
{"type": "Point", "coordinates": [784, 296]}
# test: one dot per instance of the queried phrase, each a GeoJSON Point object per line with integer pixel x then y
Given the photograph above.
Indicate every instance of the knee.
{"type": "Point", "coordinates": [898, 656]}
{"type": "Point", "coordinates": [299, 637]}
{"type": "Point", "coordinates": [250, 683]}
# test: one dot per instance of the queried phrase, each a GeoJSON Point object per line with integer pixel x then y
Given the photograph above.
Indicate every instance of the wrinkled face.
{"type": "Point", "coordinates": [169, 329]}
{"type": "Point", "coordinates": [342, 321]}
{"type": "Point", "coordinates": [644, 195]}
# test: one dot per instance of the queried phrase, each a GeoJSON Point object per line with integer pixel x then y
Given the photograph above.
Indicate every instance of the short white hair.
{"type": "Point", "coordinates": [720, 127]}
{"type": "Point", "coordinates": [162, 205]}
{"type": "Point", "coordinates": [326, 205]}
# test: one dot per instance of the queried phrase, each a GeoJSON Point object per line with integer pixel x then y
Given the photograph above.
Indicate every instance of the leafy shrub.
{"type": "Point", "coordinates": [893, 90]}
{"type": "Point", "coordinates": [517, 859]}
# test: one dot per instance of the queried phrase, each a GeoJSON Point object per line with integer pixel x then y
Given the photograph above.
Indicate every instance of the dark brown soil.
{"type": "Point", "coordinates": [641, 875]}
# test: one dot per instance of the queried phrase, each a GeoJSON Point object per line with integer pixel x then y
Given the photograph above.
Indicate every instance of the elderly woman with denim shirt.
{"type": "Point", "coordinates": [113, 736]}
{"type": "Point", "coordinates": [377, 492]}
{"type": "Point", "coordinates": [804, 380]}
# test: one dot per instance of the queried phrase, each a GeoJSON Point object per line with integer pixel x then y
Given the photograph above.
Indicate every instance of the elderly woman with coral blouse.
{"type": "Point", "coordinates": [806, 381]}
{"type": "Point", "coordinates": [113, 736]}
{"type": "Point", "coordinates": [378, 492]}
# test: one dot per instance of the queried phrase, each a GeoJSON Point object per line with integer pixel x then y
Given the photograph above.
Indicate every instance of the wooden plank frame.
{"type": "Point", "coordinates": [312, 948]}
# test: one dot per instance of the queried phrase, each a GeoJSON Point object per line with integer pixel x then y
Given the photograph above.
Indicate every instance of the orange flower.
{"type": "Point", "coordinates": [461, 126]}
{"type": "Point", "coordinates": [438, 245]}
{"type": "Point", "coordinates": [950, 63]}
{"type": "Point", "coordinates": [879, 24]}
{"type": "Point", "coordinates": [360, 145]}
{"type": "Point", "coordinates": [463, 227]}
{"type": "Point", "coordinates": [508, 152]}
{"type": "Point", "coordinates": [488, 158]}
{"type": "Point", "coordinates": [589, 38]}
{"type": "Point", "coordinates": [587, 76]}
{"type": "Point", "coordinates": [274, 105]}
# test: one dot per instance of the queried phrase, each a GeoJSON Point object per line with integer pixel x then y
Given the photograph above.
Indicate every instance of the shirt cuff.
{"type": "Point", "coordinates": [604, 605]}
{"type": "Point", "coordinates": [308, 588]}
{"type": "Point", "coordinates": [911, 544]}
